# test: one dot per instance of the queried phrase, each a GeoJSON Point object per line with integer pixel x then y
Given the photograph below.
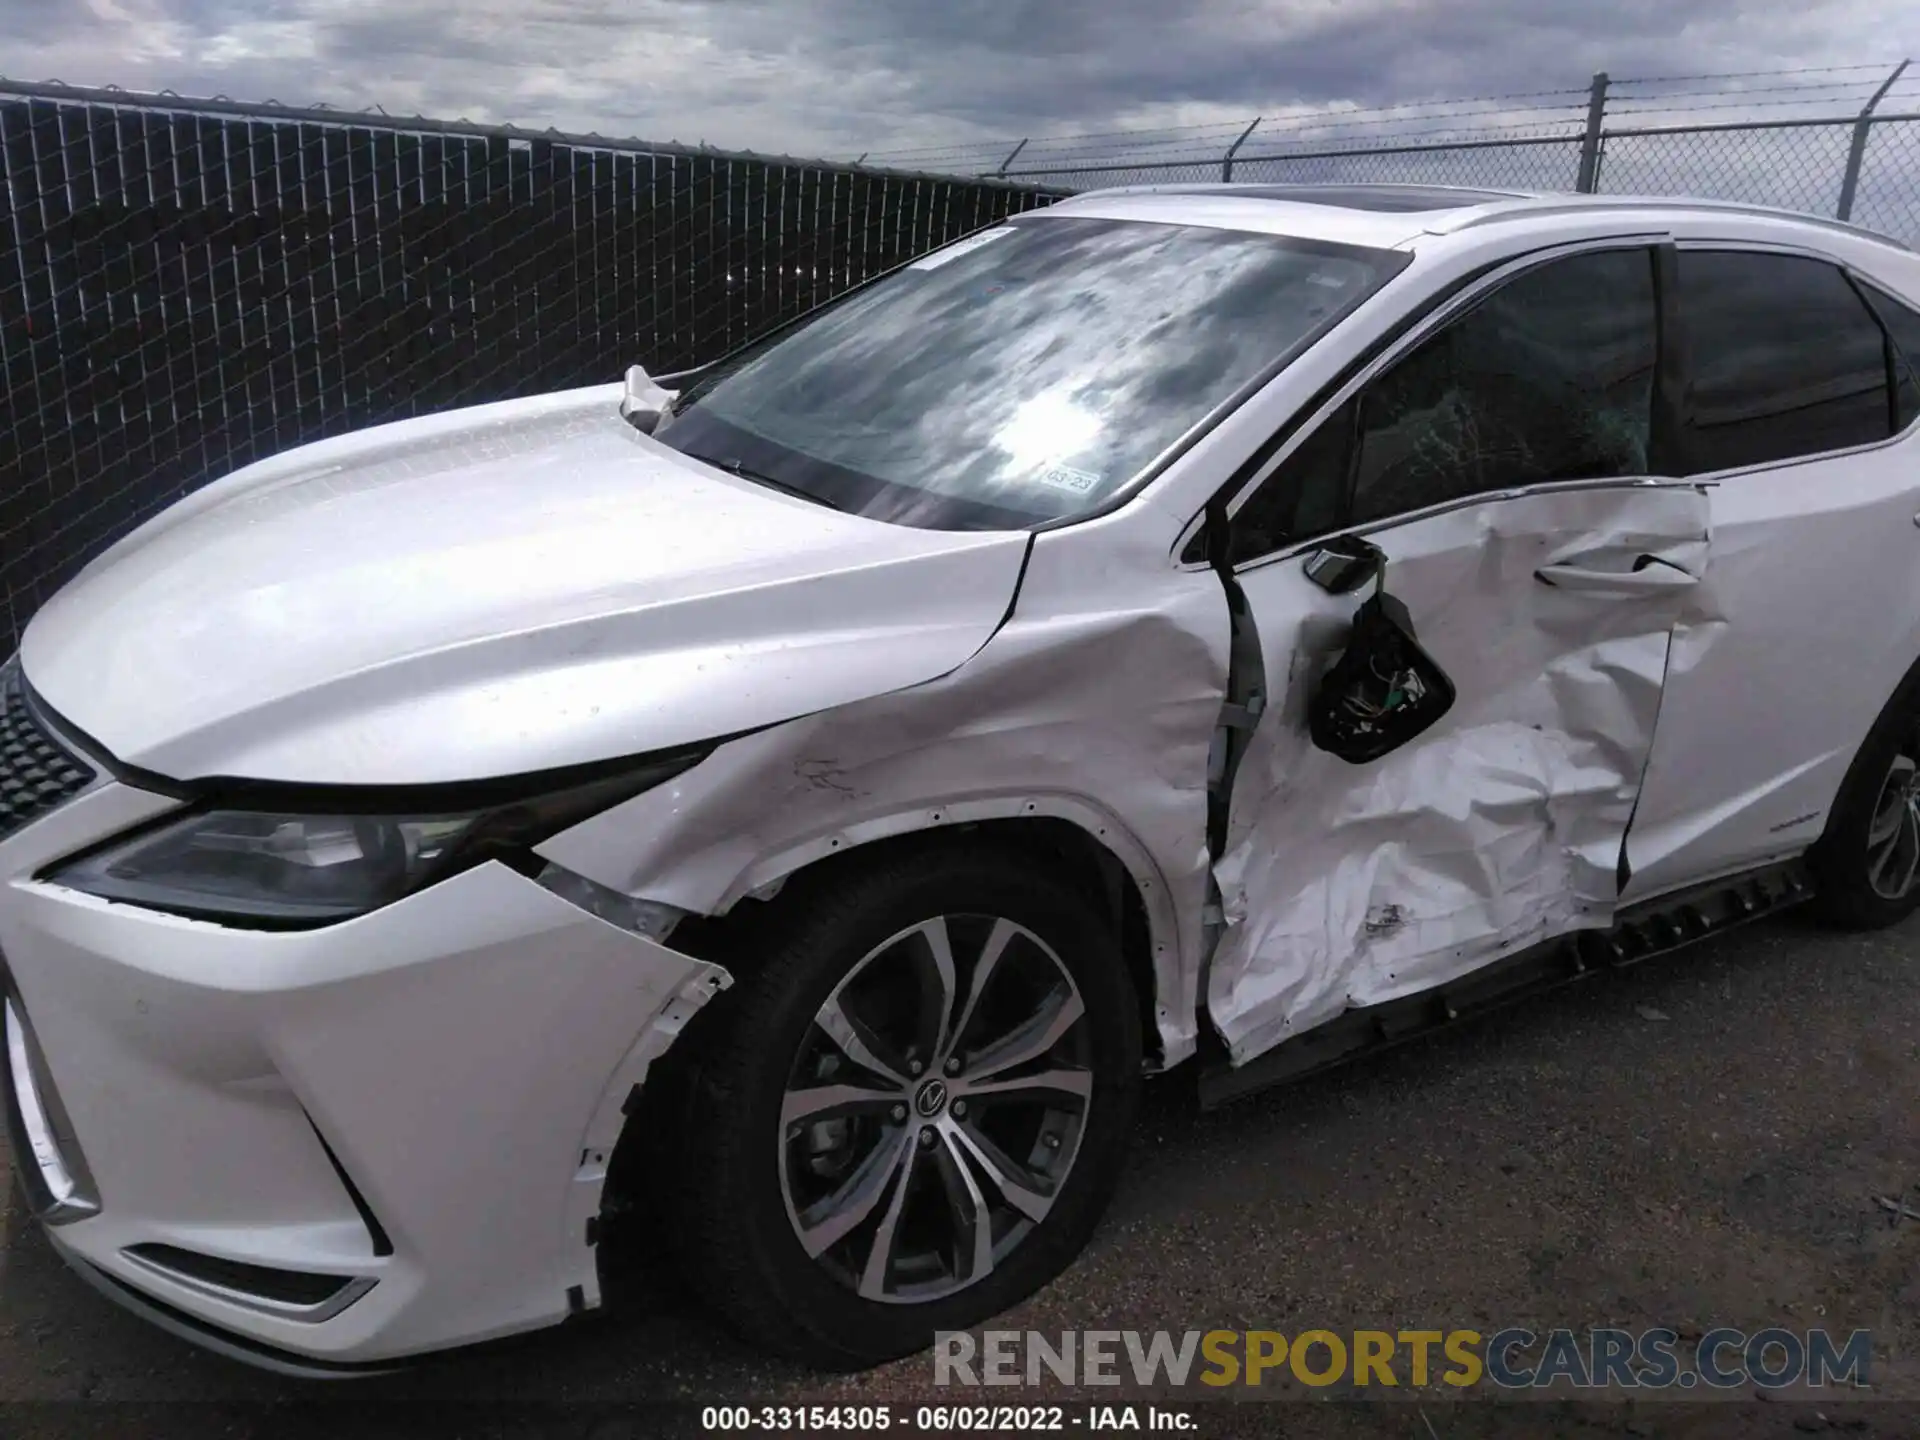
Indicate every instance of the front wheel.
{"type": "Point", "coordinates": [912, 1112]}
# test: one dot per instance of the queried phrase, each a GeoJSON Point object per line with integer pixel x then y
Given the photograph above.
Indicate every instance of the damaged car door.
{"type": "Point", "coordinates": [1503, 460]}
{"type": "Point", "coordinates": [1796, 399]}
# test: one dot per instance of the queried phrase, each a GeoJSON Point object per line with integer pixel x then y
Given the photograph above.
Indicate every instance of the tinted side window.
{"type": "Point", "coordinates": [1306, 496]}
{"type": "Point", "coordinates": [1903, 324]}
{"type": "Point", "coordinates": [1785, 360]}
{"type": "Point", "coordinates": [1548, 378]}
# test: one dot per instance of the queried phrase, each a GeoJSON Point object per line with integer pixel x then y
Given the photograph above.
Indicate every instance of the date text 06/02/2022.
{"type": "Point", "coordinates": [943, 1419]}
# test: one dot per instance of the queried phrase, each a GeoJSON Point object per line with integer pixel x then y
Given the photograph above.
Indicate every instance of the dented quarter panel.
{"type": "Point", "coordinates": [1346, 885]}
{"type": "Point", "coordinates": [1095, 703]}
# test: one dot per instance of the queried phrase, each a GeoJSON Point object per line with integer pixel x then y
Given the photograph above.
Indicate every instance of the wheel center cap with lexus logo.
{"type": "Point", "coordinates": [931, 1100]}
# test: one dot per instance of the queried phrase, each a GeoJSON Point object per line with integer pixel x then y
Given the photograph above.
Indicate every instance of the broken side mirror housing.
{"type": "Point", "coordinates": [1383, 691]}
{"type": "Point", "coordinates": [1341, 564]}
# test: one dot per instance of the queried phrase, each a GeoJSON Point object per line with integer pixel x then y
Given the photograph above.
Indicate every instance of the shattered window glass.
{"type": "Point", "coordinates": [1786, 360]}
{"type": "Point", "coordinates": [1549, 378]}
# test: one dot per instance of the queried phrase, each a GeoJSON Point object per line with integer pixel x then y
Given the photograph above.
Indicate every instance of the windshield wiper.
{"type": "Point", "coordinates": [739, 467]}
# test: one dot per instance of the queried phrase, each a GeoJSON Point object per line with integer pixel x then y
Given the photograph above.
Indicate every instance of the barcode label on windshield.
{"type": "Point", "coordinates": [959, 248]}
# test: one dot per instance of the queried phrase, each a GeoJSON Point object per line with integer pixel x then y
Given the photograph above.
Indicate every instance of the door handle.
{"type": "Point", "coordinates": [1652, 576]}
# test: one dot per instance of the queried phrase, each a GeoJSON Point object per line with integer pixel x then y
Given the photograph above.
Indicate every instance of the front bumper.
{"type": "Point", "coordinates": [338, 1146]}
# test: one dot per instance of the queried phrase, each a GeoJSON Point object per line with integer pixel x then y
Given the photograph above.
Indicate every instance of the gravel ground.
{"type": "Point", "coordinates": [1697, 1142]}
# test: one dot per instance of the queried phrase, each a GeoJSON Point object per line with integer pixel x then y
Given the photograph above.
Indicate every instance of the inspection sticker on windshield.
{"type": "Point", "coordinates": [959, 248]}
{"type": "Point", "coordinates": [1065, 477]}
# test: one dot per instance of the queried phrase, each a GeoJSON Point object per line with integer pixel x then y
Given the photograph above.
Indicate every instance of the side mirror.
{"type": "Point", "coordinates": [1383, 690]}
{"type": "Point", "coordinates": [1344, 563]}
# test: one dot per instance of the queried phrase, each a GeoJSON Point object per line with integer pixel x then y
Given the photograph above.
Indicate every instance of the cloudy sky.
{"type": "Point", "coordinates": [837, 77]}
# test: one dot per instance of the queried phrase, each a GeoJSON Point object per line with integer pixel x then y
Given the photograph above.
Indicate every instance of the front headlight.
{"type": "Point", "coordinates": [292, 869]}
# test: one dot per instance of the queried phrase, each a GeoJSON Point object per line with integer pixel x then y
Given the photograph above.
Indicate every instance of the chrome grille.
{"type": "Point", "coordinates": [36, 772]}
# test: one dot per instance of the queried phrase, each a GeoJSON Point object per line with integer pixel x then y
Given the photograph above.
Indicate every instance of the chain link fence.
{"type": "Point", "coordinates": [1840, 141]}
{"type": "Point", "coordinates": [1797, 168]}
{"type": "Point", "coordinates": [1796, 165]}
{"type": "Point", "coordinates": [1888, 198]}
{"type": "Point", "coordinates": [188, 286]}
{"type": "Point", "coordinates": [1543, 163]}
{"type": "Point", "coordinates": [1517, 164]}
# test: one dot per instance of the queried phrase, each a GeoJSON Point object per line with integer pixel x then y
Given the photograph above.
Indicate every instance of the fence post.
{"type": "Point", "coordinates": [1590, 142]}
{"type": "Point", "coordinates": [1014, 155]}
{"type": "Point", "coordinates": [1857, 151]}
{"type": "Point", "coordinates": [1226, 165]}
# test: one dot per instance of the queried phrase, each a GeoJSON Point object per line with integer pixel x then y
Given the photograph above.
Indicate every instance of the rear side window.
{"type": "Point", "coordinates": [1903, 325]}
{"type": "Point", "coordinates": [1785, 360]}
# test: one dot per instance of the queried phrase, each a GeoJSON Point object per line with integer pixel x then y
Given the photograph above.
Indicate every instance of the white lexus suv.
{"type": "Point", "coordinates": [776, 821]}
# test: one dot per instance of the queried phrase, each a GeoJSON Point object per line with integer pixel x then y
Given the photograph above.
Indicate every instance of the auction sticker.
{"type": "Point", "coordinates": [1065, 477]}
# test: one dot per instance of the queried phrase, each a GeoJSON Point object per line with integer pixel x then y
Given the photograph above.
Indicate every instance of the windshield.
{"type": "Point", "coordinates": [1022, 375]}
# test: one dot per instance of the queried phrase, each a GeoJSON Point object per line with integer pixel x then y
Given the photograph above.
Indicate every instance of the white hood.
{"type": "Point", "coordinates": [489, 592]}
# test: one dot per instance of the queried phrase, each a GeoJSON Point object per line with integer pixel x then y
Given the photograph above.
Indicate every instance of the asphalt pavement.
{"type": "Point", "coordinates": [1706, 1140]}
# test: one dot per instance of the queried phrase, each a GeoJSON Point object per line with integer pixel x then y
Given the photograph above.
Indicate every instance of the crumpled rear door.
{"type": "Point", "coordinates": [1344, 885]}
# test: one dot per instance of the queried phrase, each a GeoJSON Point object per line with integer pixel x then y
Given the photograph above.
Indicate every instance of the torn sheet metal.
{"type": "Point", "coordinates": [1345, 886]}
{"type": "Point", "coordinates": [688, 993]}
{"type": "Point", "coordinates": [1095, 703]}
{"type": "Point", "coordinates": [205, 1067]}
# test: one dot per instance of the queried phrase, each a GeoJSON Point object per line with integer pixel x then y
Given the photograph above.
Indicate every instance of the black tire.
{"type": "Point", "coordinates": [1859, 883]}
{"type": "Point", "coordinates": [735, 1237]}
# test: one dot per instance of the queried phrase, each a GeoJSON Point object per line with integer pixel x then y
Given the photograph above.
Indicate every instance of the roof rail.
{"type": "Point", "coordinates": [1494, 214]}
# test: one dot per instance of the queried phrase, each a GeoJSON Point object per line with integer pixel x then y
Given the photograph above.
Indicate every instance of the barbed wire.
{"type": "Point", "coordinates": [1745, 74]}
{"type": "Point", "coordinates": [1257, 143]}
{"type": "Point", "coordinates": [1324, 122]}
{"type": "Point", "coordinates": [1042, 148]}
{"type": "Point", "coordinates": [1533, 130]}
{"type": "Point", "coordinates": [1233, 126]}
{"type": "Point", "coordinates": [1320, 129]}
{"type": "Point", "coordinates": [1211, 159]}
{"type": "Point", "coordinates": [1628, 107]}
{"type": "Point", "coordinates": [1822, 92]}
{"type": "Point", "coordinates": [1222, 125]}
{"type": "Point", "coordinates": [1437, 119]}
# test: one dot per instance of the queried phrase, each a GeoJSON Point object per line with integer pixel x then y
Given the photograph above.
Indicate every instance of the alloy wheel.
{"type": "Point", "coordinates": [1893, 839]}
{"type": "Point", "coordinates": [935, 1108]}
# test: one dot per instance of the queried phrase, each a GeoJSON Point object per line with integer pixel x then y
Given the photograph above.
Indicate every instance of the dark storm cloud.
{"type": "Point", "coordinates": [24, 22]}
{"type": "Point", "coordinates": [1033, 64]}
{"type": "Point", "coordinates": [837, 75]}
